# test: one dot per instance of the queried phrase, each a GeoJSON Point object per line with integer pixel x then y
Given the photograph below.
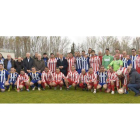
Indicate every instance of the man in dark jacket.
{"type": "Point", "coordinates": [39, 64]}
{"type": "Point", "coordinates": [62, 64]}
{"type": "Point", "coordinates": [9, 63]}
{"type": "Point", "coordinates": [19, 65]}
{"type": "Point", "coordinates": [28, 63]}
{"type": "Point", "coordinates": [45, 58]}
{"type": "Point", "coordinates": [134, 83]}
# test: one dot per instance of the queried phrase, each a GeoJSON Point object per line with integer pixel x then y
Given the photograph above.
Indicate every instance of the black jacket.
{"type": "Point", "coordinates": [64, 63]}
{"type": "Point", "coordinates": [28, 65]}
{"type": "Point", "coordinates": [134, 77]}
{"type": "Point", "coordinates": [6, 62]}
{"type": "Point", "coordinates": [18, 66]}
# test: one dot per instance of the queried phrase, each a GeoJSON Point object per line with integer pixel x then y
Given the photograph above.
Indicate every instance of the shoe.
{"type": "Point", "coordinates": [94, 91]}
{"type": "Point", "coordinates": [55, 88]}
{"type": "Point", "coordinates": [112, 92]}
{"type": "Point", "coordinates": [21, 89]}
{"type": "Point", "coordinates": [138, 94]}
{"type": "Point", "coordinates": [83, 89]}
{"type": "Point", "coordinates": [43, 88]}
{"type": "Point", "coordinates": [67, 88]}
{"type": "Point", "coordinates": [18, 90]}
{"type": "Point", "coordinates": [39, 89]}
{"type": "Point", "coordinates": [127, 92]}
{"type": "Point", "coordinates": [28, 90]}
{"type": "Point", "coordinates": [75, 88]}
{"type": "Point", "coordinates": [60, 88]}
{"type": "Point", "coordinates": [33, 88]}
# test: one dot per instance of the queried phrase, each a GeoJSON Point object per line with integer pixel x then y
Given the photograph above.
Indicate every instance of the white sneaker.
{"type": "Point", "coordinates": [91, 90]}
{"type": "Point", "coordinates": [112, 92]}
{"type": "Point", "coordinates": [39, 89]}
{"type": "Point", "coordinates": [33, 88]}
{"type": "Point", "coordinates": [94, 92]}
{"type": "Point", "coordinates": [55, 88]}
{"type": "Point", "coordinates": [60, 88]}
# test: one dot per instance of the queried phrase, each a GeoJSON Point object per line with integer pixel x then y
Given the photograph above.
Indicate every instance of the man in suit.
{"type": "Point", "coordinates": [9, 63]}
{"type": "Point", "coordinates": [28, 63]}
{"type": "Point", "coordinates": [62, 64]}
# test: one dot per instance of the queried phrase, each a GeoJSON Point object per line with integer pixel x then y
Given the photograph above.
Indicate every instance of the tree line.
{"type": "Point", "coordinates": [22, 44]}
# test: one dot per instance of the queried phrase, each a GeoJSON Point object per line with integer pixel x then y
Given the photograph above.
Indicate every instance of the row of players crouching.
{"type": "Point", "coordinates": [87, 81]}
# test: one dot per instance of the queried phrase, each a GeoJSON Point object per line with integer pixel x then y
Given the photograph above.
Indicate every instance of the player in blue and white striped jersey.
{"type": "Point", "coordinates": [35, 79]}
{"type": "Point", "coordinates": [85, 61]}
{"type": "Point", "coordinates": [13, 78]}
{"type": "Point", "coordinates": [126, 61]}
{"type": "Point", "coordinates": [102, 77]}
{"type": "Point", "coordinates": [4, 78]}
{"type": "Point", "coordinates": [133, 58]}
{"type": "Point", "coordinates": [78, 63]}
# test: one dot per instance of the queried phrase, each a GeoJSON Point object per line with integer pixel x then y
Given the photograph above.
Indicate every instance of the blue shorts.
{"type": "Point", "coordinates": [13, 82]}
{"type": "Point", "coordinates": [78, 70]}
{"type": "Point", "coordinates": [102, 84]}
{"type": "Point", "coordinates": [2, 86]}
{"type": "Point", "coordinates": [35, 81]}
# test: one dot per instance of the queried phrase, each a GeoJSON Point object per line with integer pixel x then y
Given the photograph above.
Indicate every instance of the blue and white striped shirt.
{"type": "Point", "coordinates": [102, 76]}
{"type": "Point", "coordinates": [78, 63]}
{"type": "Point", "coordinates": [13, 77]}
{"type": "Point", "coordinates": [133, 60]}
{"type": "Point", "coordinates": [85, 63]}
{"type": "Point", "coordinates": [3, 75]}
{"type": "Point", "coordinates": [35, 76]}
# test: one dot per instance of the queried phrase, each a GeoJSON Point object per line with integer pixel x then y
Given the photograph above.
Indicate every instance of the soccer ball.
{"type": "Point", "coordinates": [120, 91]}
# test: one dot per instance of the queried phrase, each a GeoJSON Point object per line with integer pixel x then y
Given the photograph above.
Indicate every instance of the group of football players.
{"type": "Point", "coordinates": [90, 72]}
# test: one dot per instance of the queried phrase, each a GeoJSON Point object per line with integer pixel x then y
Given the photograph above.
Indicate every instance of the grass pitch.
{"type": "Point", "coordinates": [71, 96]}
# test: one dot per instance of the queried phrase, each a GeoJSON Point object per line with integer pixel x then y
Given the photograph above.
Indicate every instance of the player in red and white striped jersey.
{"type": "Point", "coordinates": [47, 78]}
{"type": "Point", "coordinates": [58, 78]}
{"type": "Point", "coordinates": [94, 61]}
{"type": "Point", "coordinates": [83, 79]}
{"type": "Point", "coordinates": [22, 81]}
{"type": "Point", "coordinates": [72, 78]}
{"type": "Point", "coordinates": [91, 80]}
{"type": "Point", "coordinates": [123, 78]}
{"type": "Point", "coordinates": [117, 51]}
{"type": "Point", "coordinates": [138, 63]}
{"type": "Point", "coordinates": [71, 61]}
{"type": "Point", "coordinates": [112, 77]}
{"type": "Point", "coordinates": [52, 63]}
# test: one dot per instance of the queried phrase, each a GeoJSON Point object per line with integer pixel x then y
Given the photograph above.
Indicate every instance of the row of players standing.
{"type": "Point", "coordinates": [81, 61]}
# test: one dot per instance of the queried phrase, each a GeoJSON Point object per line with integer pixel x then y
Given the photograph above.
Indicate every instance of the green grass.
{"type": "Point", "coordinates": [71, 96]}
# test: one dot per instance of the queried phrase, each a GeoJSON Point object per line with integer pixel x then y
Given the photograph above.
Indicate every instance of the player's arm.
{"type": "Point", "coordinates": [111, 64]}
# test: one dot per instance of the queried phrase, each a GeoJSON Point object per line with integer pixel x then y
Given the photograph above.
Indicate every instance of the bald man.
{"type": "Point", "coordinates": [9, 63]}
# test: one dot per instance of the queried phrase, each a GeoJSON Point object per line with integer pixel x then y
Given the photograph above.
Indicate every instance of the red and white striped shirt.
{"type": "Point", "coordinates": [22, 78]}
{"type": "Point", "coordinates": [47, 76]}
{"type": "Point", "coordinates": [91, 77]}
{"type": "Point", "coordinates": [58, 76]}
{"type": "Point", "coordinates": [83, 78]}
{"type": "Point", "coordinates": [125, 74]}
{"type": "Point", "coordinates": [71, 62]}
{"type": "Point", "coordinates": [112, 76]}
{"type": "Point", "coordinates": [138, 62]}
{"type": "Point", "coordinates": [52, 64]}
{"type": "Point", "coordinates": [73, 76]}
{"type": "Point", "coordinates": [120, 57]}
{"type": "Point", "coordinates": [94, 62]}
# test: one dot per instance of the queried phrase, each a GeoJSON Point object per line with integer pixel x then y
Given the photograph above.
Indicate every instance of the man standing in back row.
{"type": "Point", "coordinates": [107, 58]}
